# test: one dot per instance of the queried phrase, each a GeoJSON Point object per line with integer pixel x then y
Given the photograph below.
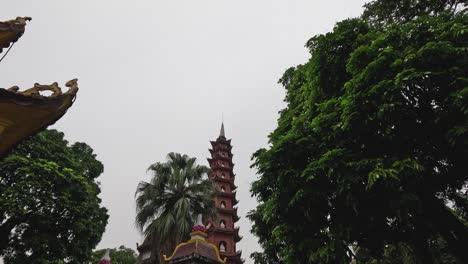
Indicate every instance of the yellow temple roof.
{"type": "Point", "coordinates": [23, 114]}
{"type": "Point", "coordinates": [197, 246]}
{"type": "Point", "coordinates": [11, 31]}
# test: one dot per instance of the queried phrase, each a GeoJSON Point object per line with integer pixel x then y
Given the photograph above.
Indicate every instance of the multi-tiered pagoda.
{"type": "Point", "coordinates": [223, 232]}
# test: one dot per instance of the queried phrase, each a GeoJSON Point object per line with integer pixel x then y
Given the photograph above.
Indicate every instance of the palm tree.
{"type": "Point", "coordinates": [167, 206]}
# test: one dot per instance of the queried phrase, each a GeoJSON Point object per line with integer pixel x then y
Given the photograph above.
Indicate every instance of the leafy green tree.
{"type": "Point", "coordinates": [401, 11]}
{"type": "Point", "coordinates": [49, 206]}
{"type": "Point", "coordinates": [121, 255]}
{"type": "Point", "coordinates": [167, 206]}
{"type": "Point", "coordinates": [371, 147]}
{"type": "Point", "coordinates": [405, 253]}
{"type": "Point", "coordinates": [265, 258]}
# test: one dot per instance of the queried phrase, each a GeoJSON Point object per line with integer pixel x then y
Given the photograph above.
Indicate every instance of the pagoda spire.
{"type": "Point", "coordinates": [223, 231]}
{"type": "Point", "coordinates": [221, 133]}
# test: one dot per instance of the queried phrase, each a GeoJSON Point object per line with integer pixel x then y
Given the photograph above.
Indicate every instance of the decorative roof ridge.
{"type": "Point", "coordinates": [197, 236]}
{"type": "Point", "coordinates": [17, 23]}
{"type": "Point", "coordinates": [11, 31]}
{"type": "Point", "coordinates": [36, 90]}
{"type": "Point", "coordinates": [27, 104]}
{"type": "Point", "coordinates": [196, 241]}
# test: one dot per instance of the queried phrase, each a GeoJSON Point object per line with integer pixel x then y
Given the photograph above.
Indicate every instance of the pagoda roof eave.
{"type": "Point", "coordinates": [228, 194]}
{"type": "Point", "coordinates": [225, 211]}
{"type": "Point", "coordinates": [234, 232]}
{"type": "Point", "coordinates": [23, 114]}
{"type": "Point", "coordinates": [11, 31]}
{"type": "Point", "coordinates": [226, 143]}
{"type": "Point", "coordinates": [225, 158]}
{"type": "Point", "coordinates": [221, 158]}
{"type": "Point", "coordinates": [228, 210]}
{"type": "Point", "coordinates": [232, 255]}
{"type": "Point", "coordinates": [229, 180]}
{"type": "Point", "coordinates": [218, 167]}
{"type": "Point", "coordinates": [230, 154]}
{"type": "Point", "coordinates": [225, 180]}
{"type": "Point", "coordinates": [223, 140]}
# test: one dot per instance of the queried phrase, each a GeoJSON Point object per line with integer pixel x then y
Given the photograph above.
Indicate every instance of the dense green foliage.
{"type": "Point", "coordinates": [401, 11]}
{"type": "Point", "coordinates": [168, 205]}
{"type": "Point", "coordinates": [265, 258]}
{"type": "Point", "coordinates": [372, 145]}
{"type": "Point", "coordinates": [49, 209]}
{"type": "Point", "coordinates": [121, 255]}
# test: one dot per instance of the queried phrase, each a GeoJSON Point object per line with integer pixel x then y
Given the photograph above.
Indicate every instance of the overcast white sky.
{"type": "Point", "coordinates": [156, 76]}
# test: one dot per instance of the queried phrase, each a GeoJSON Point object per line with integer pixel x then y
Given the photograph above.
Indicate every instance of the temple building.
{"type": "Point", "coordinates": [25, 113]}
{"type": "Point", "coordinates": [197, 250]}
{"type": "Point", "coordinates": [223, 232]}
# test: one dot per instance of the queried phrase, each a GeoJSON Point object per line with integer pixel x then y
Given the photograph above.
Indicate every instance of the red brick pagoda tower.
{"type": "Point", "coordinates": [223, 232]}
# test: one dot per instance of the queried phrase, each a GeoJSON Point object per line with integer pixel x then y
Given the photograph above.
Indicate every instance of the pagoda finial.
{"type": "Point", "coordinates": [199, 220]}
{"type": "Point", "coordinates": [221, 133]}
{"type": "Point", "coordinates": [198, 230]}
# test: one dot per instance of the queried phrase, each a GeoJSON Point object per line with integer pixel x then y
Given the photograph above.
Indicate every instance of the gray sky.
{"type": "Point", "coordinates": [156, 76]}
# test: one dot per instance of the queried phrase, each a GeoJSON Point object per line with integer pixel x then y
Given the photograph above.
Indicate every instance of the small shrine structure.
{"type": "Point", "coordinates": [197, 250]}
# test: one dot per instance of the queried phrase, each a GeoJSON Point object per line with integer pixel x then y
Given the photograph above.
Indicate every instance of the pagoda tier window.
{"type": "Point", "coordinates": [222, 224]}
{"type": "Point", "coordinates": [222, 246]}
{"type": "Point", "coordinates": [223, 204]}
{"type": "Point", "coordinates": [223, 175]}
{"type": "Point", "coordinates": [223, 189]}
